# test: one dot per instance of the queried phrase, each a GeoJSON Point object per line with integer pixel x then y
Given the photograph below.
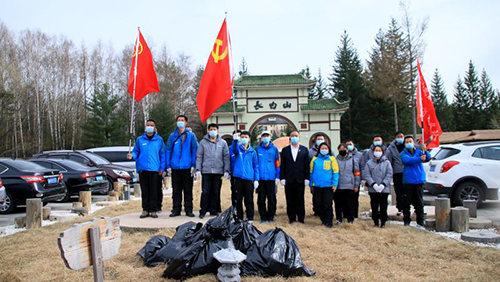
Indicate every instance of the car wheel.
{"type": "Point", "coordinates": [466, 191]}
{"type": "Point", "coordinates": [110, 185]}
{"type": "Point", "coordinates": [9, 205]}
{"type": "Point", "coordinates": [66, 198]}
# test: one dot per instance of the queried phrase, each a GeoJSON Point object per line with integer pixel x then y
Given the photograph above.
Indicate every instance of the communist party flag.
{"type": "Point", "coordinates": [216, 86]}
{"type": "Point", "coordinates": [426, 115]}
{"type": "Point", "coordinates": [142, 71]}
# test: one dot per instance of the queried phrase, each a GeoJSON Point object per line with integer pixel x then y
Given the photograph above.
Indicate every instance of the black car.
{"type": "Point", "coordinates": [76, 176]}
{"type": "Point", "coordinates": [24, 180]}
{"type": "Point", "coordinates": [113, 172]}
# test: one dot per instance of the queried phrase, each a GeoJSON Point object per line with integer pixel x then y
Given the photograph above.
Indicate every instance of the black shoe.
{"type": "Point", "coordinates": [214, 214]}
{"type": "Point", "coordinates": [328, 225]}
{"type": "Point", "coordinates": [382, 225]}
{"type": "Point", "coordinates": [407, 224]}
{"type": "Point", "coordinates": [144, 214]}
{"type": "Point", "coordinates": [375, 224]}
{"type": "Point", "coordinates": [301, 221]}
{"type": "Point", "coordinates": [350, 222]}
{"type": "Point", "coordinates": [202, 215]}
{"type": "Point", "coordinates": [153, 215]}
{"type": "Point", "coordinates": [174, 214]}
{"type": "Point", "coordinates": [291, 221]}
{"type": "Point", "coordinates": [190, 214]}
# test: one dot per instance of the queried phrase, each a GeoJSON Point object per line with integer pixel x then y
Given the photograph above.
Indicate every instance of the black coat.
{"type": "Point", "coordinates": [294, 170]}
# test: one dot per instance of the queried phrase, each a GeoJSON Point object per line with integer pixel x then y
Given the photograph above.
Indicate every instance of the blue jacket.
{"type": "Point", "coordinates": [413, 169]}
{"type": "Point", "coordinates": [181, 155]}
{"type": "Point", "coordinates": [232, 155]}
{"type": "Point", "coordinates": [269, 161]}
{"type": "Point", "coordinates": [246, 163]}
{"type": "Point", "coordinates": [324, 171]}
{"type": "Point", "coordinates": [149, 155]}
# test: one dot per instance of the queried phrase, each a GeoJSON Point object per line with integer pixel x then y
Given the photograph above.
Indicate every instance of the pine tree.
{"type": "Point", "coordinates": [489, 100]}
{"type": "Point", "coordinates": [461, 107]}
{"type": "Point", "coordinates": [161, 113]}
{"type": "Point", "coordinates": [243, 68]}
{"type": "Point", "coordinates": [441, 105]}
{"type": "Point", "coordinates": [471, 84]}
{"type": "Point", "coordinates": [320, 90]}
{"type": "Point", "coordinates": [306, 72]}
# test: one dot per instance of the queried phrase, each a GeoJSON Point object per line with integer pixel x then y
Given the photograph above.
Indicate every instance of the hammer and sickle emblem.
{"type": "Point", "coordinates": [140, 49]}
{"type": "Point", "coordinates": [216, 55]}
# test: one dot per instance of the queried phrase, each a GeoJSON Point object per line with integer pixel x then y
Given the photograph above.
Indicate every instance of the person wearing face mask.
{"type": "Point", "coordinates": [366, 156]}
{"type": "Point", "coordinates": [236, 138]}
{"type": "Point", "coordinates": [393, 155]}
{"type": "Point", "coordinates": [294, 175]}
{"type": "Point", "coordinates": [320, 139]}
{"type": "Point", "coordinates": [413, 179]}
{"type": "Point", "coordinates": [149, 156]}
{"type": "Point", "coordinates": [378, 173]}
{"type": "Point", "coordinates": [269, 173]}
{"type": "Point", "coordinates": [180, 160]}
{"type": "Point", "coordinates": [324, 171]}
{"type": "Point", "coordinates": [348, 183]}
{"type": "Point", "coordinates": [351, 150]}
{"type": "Point", "coordinates": [246, 175]}
{"type": "Point", "coordinates": [212, 162]}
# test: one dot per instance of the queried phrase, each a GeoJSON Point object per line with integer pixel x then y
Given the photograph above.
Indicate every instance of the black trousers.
{"type": "Point", "coordinates": [397, 178]}
{"type": "Point", "coordinates": [378, 202]}
{"type": "Point", "coordinates": [295, 207]}
{"type": "Point", "coordinates": [413, 195]}
{"type": "Point", "coordinates": [343, 204]}
{"type": "Point", "coordinates": [219, 207]}
{"type": "Point", "coordinates": [316, 203]}
{"type": "Point", "coordinates": [182, 183]}
{"type": "Point", "coordinates": [355, 204]}
{"type": "Point", "coordinates": [266, 192]}
{"type": "Point", "coordinates": [150, 184]}
{"type": "Point", "coordinates": [160, 195]}
{"type": "Point", "coordinates": [325, 204]}
{"type": "Point", "coordinates": [233, 192]}
{"type": "Point", "coordinates": [210, 193]}
{"type": "Point", "coordinates": [244, 192]}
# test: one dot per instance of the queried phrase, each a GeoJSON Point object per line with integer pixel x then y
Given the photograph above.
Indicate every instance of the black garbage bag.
{"type": "Point", "coordinates": [149, 251]}
{"type": "Point", "coordinates": [274, 253]}
{"type": "Point", "coordinates": [195, 259]}
{"type": "Point", "coordinates": [243, 234]}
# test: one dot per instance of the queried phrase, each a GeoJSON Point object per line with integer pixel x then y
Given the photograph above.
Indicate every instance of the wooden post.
{"type": "Point", "coordinates": [86, 199]}
{"type": "Point", "coordinates": [111, 198]}
{"type": "Point", "coordinates": [96, 252]}
{"type": "Point", "coordinates": [20, 222]}
{"type": "Point", "coordinates": [33, 213]}
{"type": "Point", "coordinates": [460, 219]}
{"type": "Point", "coordinates": [442, 213]}
{"type": "Point", "coordinates": [119, 189]}
{"type": "Point", "coordinates": [77, 205]}
{"type": "Point", "coordinates": [137, 190]}
{"type": "Point", "coordinates": [46, 213]}
{"type": "Point", "coordinates": [472, 206]}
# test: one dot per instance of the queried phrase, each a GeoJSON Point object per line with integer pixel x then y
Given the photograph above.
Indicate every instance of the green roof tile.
{"type": "Point", "coordinates": [264, 80]}
{"type": "Point", "coordinates": [228, 108]}
{"type": "Point", "coordinates": [324, 105]}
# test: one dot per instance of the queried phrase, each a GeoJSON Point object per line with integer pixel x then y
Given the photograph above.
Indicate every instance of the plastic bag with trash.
{"type": "Point", "coordinates": [149, 251]}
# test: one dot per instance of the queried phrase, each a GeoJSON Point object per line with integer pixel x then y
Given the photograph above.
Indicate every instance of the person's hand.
{"type": "Point", "coordinates": [424, 147]}
{"type": "Point", "coordinates": [334, 188]}
{"type": "Point", "coordinates": [306, 182]}
{"type": "Point", "coordinates": [197, 175]}
{"type": "Point", "coordinates": [423, 157]}
{"type": "Point", "coordinates": [227, 176]}
{"type": "Point", "coordinates": [356, 189]}
{"type": "Point", "coordinates": [169, 171]}
{"type": "Point", "coordinates": [236, 137]}
{"type": "Point", "coordinates": [255, 184]}
{"type": "Point", "coordinates": [193, 171]}
{"type": "Point", "coordinates": [276, 181]}
{"type": "Point", "coordinates": [283, 181]}
{"type": "Point", "coordinates": [129, 156]}
{"type": "Point", "coordinates": [160, 172]}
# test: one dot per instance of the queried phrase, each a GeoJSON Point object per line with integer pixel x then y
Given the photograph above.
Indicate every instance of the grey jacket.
{"type": "Point", "coordinates": [394, 158]}
{"type": "Point", "coordinates": [378, 172]}
{"type": "Point", "coordinates": [348, 172]}
{"type": "Point", "coordinates": [213, 157]}
{"type": "Point", "coordinates": [367, 155]}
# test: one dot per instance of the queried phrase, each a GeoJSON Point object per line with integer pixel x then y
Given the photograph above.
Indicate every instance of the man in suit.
{"type": "Point", "coordinates": [294, 175]}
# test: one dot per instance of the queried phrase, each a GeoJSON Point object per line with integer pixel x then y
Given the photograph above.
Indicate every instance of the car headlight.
{"type": "Point", "coordinates": [121, 173]}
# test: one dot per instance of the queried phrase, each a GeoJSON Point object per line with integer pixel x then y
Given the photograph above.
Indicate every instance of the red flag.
{"type": "Point", "coordinates": [216, 86]}
{"type": "Point", "coordinates": [426, 115]}
{"type": "Point", "coordinates": [146, 80]}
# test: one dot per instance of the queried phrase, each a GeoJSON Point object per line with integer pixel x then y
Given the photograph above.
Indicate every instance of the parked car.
{"type": "Point", "coordinates": [113, 172]}
{"type": "Point", "coordinates": [2, 193]}
{"type": "Point", "coordinates": [23, 180]}
{"type": "Point", "coordinates": [466, 171]}
{"type": "Point", "coordinates": [77, 177]}
{"type": "Point", "coordinates": [115, 154]}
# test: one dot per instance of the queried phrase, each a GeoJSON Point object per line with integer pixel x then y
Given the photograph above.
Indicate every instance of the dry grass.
{"type": "Point", "coordinates": [358, 252]}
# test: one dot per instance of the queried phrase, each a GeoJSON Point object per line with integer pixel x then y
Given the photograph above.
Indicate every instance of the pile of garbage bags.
{"type": "Point", "coordinates": [190, 251]}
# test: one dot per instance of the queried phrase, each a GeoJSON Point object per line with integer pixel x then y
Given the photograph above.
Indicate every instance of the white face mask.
{"type": "Point", "coordinates": [377, 154]}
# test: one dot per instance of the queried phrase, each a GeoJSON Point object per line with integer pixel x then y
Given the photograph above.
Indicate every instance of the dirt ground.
{"type": "Point", "coordinates": [359, 252]}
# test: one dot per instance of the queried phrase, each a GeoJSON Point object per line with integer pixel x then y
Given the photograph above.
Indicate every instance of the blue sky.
{"type": "Point", "coordinates": [275, 37]}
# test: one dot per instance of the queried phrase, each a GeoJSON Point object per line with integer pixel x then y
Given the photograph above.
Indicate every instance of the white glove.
{"type": "Point", "coordinates": [276, 181]}
{"type": "Point", "coordinates": [378, 187]}
{"type": "Point", "coordinates": [306, 182]}
{"type": "Point", "coordinates": [227, 176]}
{"type": "Point", "coordinates": [283, 181]}
{"type": "Point", "coordinates": [197, 175]}
{"type": "Point", "coordinates": [169, 171]}
{"type": "Point", "coordinates": [255, 184]}
{"type": "Point", "coordinates": [236, 137]}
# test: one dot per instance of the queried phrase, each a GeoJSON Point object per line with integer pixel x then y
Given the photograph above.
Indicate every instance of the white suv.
{"type": "Point", "coordinates": [466, 171]}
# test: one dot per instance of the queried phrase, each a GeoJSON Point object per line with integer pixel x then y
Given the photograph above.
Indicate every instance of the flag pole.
{"type": "Point", "coordinates": [137, 42]}
{"type": "Point", "coordinates": [235, 117]}
{"type": "Point", "coordinates": [419, 87]}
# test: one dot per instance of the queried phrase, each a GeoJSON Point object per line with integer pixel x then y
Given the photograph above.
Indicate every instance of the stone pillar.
{"type": "Point", "coordinates": [472, 206]}
{"type": "Point", "coordinates": [33, 213]}
{"type": "Point", "coordinates": [460, 219]}
{"type": "Point", "coordinates": [442, 214]}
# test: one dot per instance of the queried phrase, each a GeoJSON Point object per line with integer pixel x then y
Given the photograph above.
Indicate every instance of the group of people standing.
{"type": "Point", "coordinates": [331, 179]}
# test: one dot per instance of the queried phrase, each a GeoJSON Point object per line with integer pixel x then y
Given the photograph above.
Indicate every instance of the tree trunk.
{"type": "Point", "coordinates": [395, 105]}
